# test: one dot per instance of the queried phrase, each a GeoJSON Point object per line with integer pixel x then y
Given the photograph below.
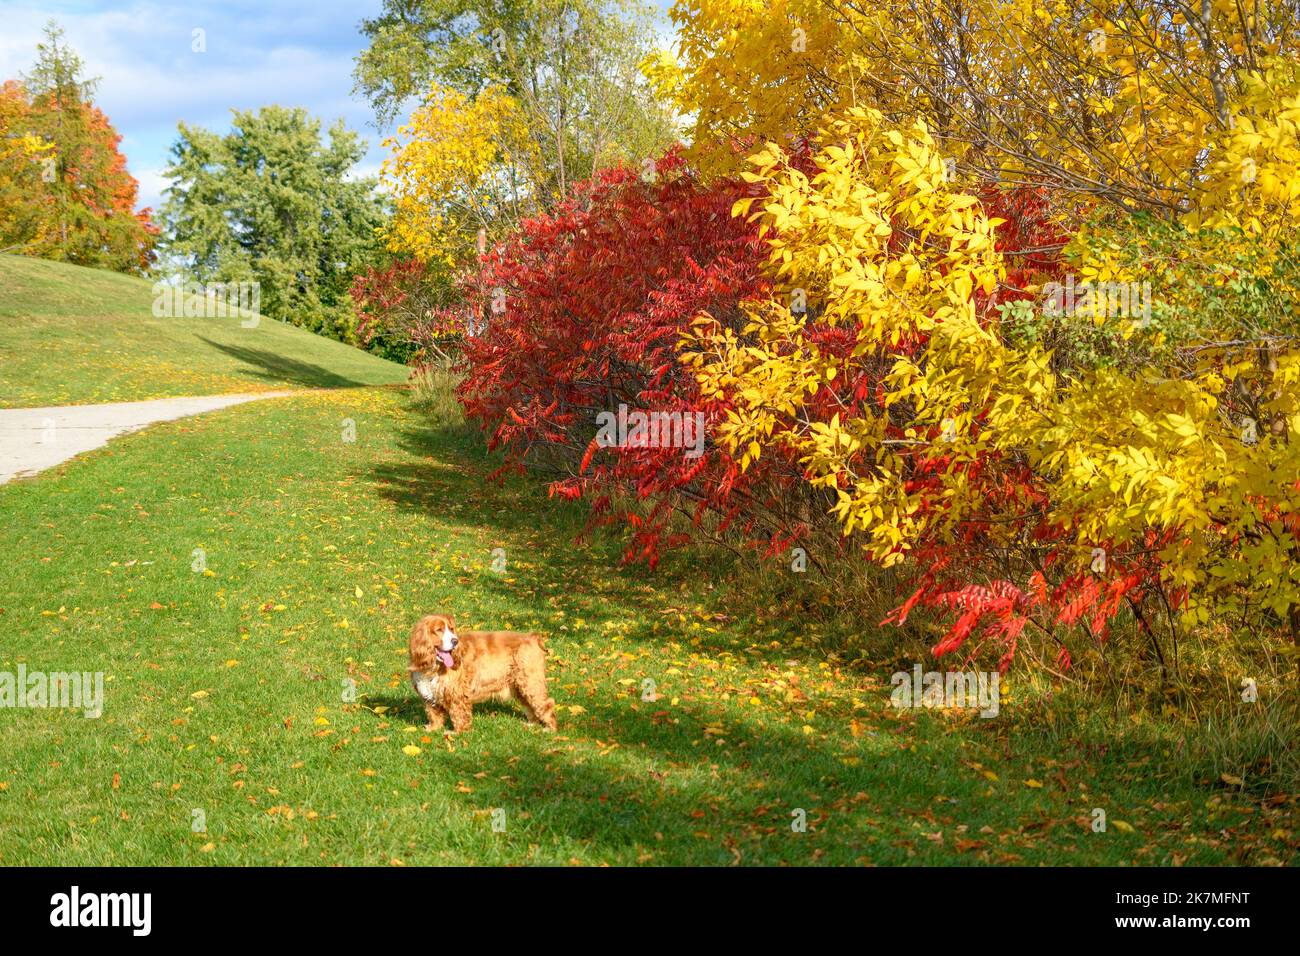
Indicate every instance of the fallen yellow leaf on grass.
{"type": "Point", "coordinates": [208, 847]}
{"type": "Point", "coordinates": [989, 775]}
{"type": "Point", "coordinates": [358, 592]}
{"type": "Point", "coordinates": [411, 750]}
{"type": "Point", "coordinates": [576, 709]}
{"type": "Point", "coordinates": [1121, 826]}
{"type": "Point", "coordinates": [1037, 785]}
{"type": "Point", "coordinates": [1232, 781]}
{"type": "Point", "coordinates": [199, 694]}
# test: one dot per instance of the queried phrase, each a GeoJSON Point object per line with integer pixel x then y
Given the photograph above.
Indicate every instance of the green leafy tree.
{"type": "Point", "coordinates": [571, 65]}
{"type": "Point", "coordinates": [272, 202]}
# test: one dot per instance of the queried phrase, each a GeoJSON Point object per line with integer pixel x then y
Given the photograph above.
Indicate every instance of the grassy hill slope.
{"type": "Point", "coordinates": [72, 335]}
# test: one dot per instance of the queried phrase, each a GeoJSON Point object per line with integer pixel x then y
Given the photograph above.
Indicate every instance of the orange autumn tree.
{"type": "Point", "coordinates": [67, 195]}
{"type": "Point", "coordinates": [21, 166]}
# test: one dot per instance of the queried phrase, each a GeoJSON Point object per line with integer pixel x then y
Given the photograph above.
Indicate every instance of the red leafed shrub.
{"type": "Point", "coordinates": [401, 311]}
{"type": "Point", "coordinates": [580, 313]}
{"type": "Point", "coordinates": [1030, 238]}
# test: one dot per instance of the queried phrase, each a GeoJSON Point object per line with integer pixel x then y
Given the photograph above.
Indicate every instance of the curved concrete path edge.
{"type": "Point", "coordinates": [34, 439]}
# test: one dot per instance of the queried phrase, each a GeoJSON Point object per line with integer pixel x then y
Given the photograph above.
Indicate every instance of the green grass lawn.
{"type": "Point", "coordinates": [226, 691]}
{"type": "Point", "coordinates": [71, 335]}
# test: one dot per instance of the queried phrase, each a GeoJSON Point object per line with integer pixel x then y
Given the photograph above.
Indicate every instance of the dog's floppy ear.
{"type": "Point", "coordinates": [423, 646]}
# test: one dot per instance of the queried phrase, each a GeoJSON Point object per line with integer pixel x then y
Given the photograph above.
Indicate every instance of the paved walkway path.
{"type": "Point", "coordinates": [33, 439]}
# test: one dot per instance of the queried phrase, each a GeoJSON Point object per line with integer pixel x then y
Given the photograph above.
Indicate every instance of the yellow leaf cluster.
{"type": "Point", "coordinates": [874, 237]}
{"type": "Point", "coordinates": [454, 169]}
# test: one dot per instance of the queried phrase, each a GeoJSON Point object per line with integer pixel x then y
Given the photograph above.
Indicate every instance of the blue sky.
{"type": "Point", "coordinates": [259, 52]}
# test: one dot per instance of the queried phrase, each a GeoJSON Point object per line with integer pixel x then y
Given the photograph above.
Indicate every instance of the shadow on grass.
{"type": "Point", "coordinates": [408, 707]}
{"type": "Point", "coordinates": [272, 366]}
{"type": "Point", "coordinates": [632, 777]}
{"type": "Point", "coordinates": [447, 475]}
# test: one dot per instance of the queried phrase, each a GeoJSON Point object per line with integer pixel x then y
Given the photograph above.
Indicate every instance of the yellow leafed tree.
{"type": "Point", "coordinates": [460, 165]}
{"type": "Point", "coordinates": [1163, 138]}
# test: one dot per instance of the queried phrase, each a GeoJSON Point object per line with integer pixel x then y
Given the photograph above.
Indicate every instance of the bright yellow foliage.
{"type": "Point", "coordinates": [1253, 179]}
{"type": "Point", "coordinates": [878, 240]}
{"type": "Point", "coordinates": [1184, 435]}
{"type": "Point", "coordinates": [25, 144]}
{"type": "Point", "coordinates": [457, 167]}
{"type": "Point", "coordinates": [1110, 97]}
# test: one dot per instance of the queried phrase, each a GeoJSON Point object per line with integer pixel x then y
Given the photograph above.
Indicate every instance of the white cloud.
{"type": "Point", "coordinates": [152, 183]}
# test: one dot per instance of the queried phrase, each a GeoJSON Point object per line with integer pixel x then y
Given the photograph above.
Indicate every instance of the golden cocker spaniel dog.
{"type": "Point", "coordinates": [453, 670]}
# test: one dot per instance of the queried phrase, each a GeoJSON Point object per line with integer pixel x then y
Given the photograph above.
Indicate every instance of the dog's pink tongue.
{"type": "Point", "coordinates": [446, 659]}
